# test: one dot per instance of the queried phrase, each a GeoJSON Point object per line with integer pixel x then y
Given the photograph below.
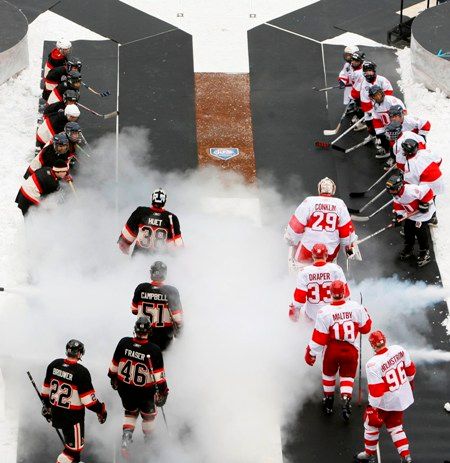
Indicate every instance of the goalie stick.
{"type": "Point", "coordinates": [359, 194]}
{"type": "Point", "coordinates": [358, 211]}
{"type": "Point", "coordinates": [105, 116]}
{"type": "Point", "coordinates": [365, 218]}
{"type": "Point", "coordinates": [328, 145]}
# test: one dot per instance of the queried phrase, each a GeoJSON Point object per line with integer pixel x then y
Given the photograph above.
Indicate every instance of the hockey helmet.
{"type": "Point", "coordinates": [369, 71]}
{"type": "Point", "coordinates": [395, 183]}
{"type": "Point", "coordinates": [348, 52]}
{"type": "Point", "coordinates": [71, 95]}
{"type": "Point", "coordinates": [60, 139]}
{"type": "Point", "coordinates": [73, 131]}
{"type": "Point", "coordinates": [74, 348]}
{"type": "Point", "coordinates": [143, 326]}
{"type": "Point", "coordinates": [319, 251]}
{"type": "Point", "coordinates": [72, 110]}
{"type": "Point", "coordinates": [358, 56]}
{"type": "Point", "coordinates": [158, 271]}
{"type": "Point", "coordinates": [64, 44]}
{"type": "Point", "coordinates": [377, 339]}
{"type": "Point", "coordinates": [74, 62]}
{"type": "Point", "coordinates": [73, 77]}
{"type": "Point", "coordinates": [326, 187]}
{"type": "Point", "coordinates": [395, 110]}
{"type": "Point", "coordinates": [159, 197]}
{"type": "Point", "coordinates": [337, 289]}
{"type": "Point", "coordinates": [374, 91]}
{"type": "Point", "coordinates": [393, 130]}
{"type": "Point", "coordinates": [410, 147]}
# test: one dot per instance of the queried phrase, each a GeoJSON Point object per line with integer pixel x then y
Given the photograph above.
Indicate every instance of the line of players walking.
{"type": "Point", "coordinates": [322, 225]}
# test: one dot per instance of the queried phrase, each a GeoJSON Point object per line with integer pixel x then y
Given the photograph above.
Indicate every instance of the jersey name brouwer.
{"type": "Point", "coordinates": [392, 361]}
{"type": "Point", "coordinates": [134, 354]}
{"type": "Point", "coordinates": [154, 296]}
{"type": "Point", "coordinates": [63, 374]}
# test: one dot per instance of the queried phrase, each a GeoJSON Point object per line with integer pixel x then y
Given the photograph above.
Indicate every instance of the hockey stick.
{"type": "Point", "coordinates": [391, 225]}
{"type": "Point", "coordinates": [105, 116]}
{"type": "Point", "coordinates": [150, 367]}
{"type": "Point", "coordinates": [102, 94]}
{"type": "Point", "coordinates": [362, 218]}
{"type": "Point", "coordinates": [44, 404]}
{"type": "Point", "coordinates": [325, 88]}
{"type": "Point", "coordinates": [328, 145]}
{"type": "Point", "coordinates": [352, 148]}
{"type": "Point", "coordinates": [359, 194]}
{"type": "Point", "coordinates": [360, 360]}
{"type": "Point", "coordinates": [358, 211]}
{"type": "Point", "coordinates": [329, 133]}
{"type": "Point", "coordinates": [72, 187]}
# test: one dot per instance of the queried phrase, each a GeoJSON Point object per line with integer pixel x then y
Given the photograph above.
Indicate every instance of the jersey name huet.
{"type": "Point", "coordinates": [157, 222]}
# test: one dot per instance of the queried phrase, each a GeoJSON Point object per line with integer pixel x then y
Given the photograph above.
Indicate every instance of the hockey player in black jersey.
{"type": "Point", "coordinates": [72, 82]}
{"type": "Point", "coordinates": [161, 303]}
{"type": "Point", "coordinates": [43, 182]}
{"type": "Point", "coordinates": [69, 97]}
{"type": "Point", "coordinates": [59, 73]}
{"type": "Point", "coordinates": [67, 391]}
{"type": "Point", "coordinates": [137, 373]}
{"type": "Point", "coordinates": [152, 229]}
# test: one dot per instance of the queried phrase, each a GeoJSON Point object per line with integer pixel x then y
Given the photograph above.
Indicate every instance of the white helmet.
{"type": "Point", "coordinates": [63, 44]}
{"type": "Point", "coordinates": [351, 49]}
{"type": "Point", "coordinates": [72, 110]}
{"type": "Point", "coordinates": [159, 197]}
{"type": "Point", "coordinates": [326, 186]}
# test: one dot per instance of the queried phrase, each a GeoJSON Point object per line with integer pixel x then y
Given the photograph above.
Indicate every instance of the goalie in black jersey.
{"type": "Point", "coordinates": [137, 373]}
{"type": "Point", "coordinates": [66, 391]}
{"type": "Point", "coordinates": [152, 229]}
{"type": "Point", "coordinates": [161, 303]}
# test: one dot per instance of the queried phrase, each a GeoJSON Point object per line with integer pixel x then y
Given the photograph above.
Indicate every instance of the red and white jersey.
{"type": "Point", "coordinates": [408, 199]}
{"type": "Point", "coordinates": [424, 168]}
{"type": "Point", "coordinates": [397, 149]}
{"type": "Point", "coordinates": [416, 125]}
{"type": "Point", "coordinates": [388, 375]}
{"type": "Point", "coordinates": [349, 75]}
{"type": "Point", "coordinates": [321, 219]}
{"type": "Point", "coordinates": [313, 286]}
{"type": "Point", "coordinates": [361, 87]}
{"type": "Point", "coordinates": [380, 112]}
{"type": "Point", "coordinates": [340, 321]}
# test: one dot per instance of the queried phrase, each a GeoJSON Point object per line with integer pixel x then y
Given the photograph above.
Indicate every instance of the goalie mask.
{"type": "Point", "coordinates": [159, 198]}
{"type": "Point", "coordinates": [326, 187]}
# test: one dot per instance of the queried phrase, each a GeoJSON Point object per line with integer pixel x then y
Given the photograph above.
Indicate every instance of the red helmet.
{"type": "Point", "coordinates": [377, 339]}
{"type": "Point", "coordinates": [319, 251]}
{"type": "Point", "coordinates": [337, 289]}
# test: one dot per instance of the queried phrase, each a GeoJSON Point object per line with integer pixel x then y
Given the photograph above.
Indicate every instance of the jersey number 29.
{"type": "Point", "coordinates": [324, 221]}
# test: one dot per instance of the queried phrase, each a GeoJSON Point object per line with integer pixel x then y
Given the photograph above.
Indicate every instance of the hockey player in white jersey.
{"type": "Point", "coordinates": [390, 376]}
{"type": "Point", "coordinates": [313, 285]}
{"type": "Point", "coordinates": [320, 219]}
{"type": "Point", "coordinates": [409, 123]}
{"type": "Point", "coordinates": [349, 72]}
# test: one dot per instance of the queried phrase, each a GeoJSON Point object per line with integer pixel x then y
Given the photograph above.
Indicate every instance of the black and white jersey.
{"type": "Point", "coordinates": [153, 229]}
{"type": "Point", "coordinates": [53, 77]}
{"type": "Point", "coordinates": [68, 390]}
{"type": "Point", "coordinates": [131, 364]}
{"type": "Point", "coordinates": [47, 158]}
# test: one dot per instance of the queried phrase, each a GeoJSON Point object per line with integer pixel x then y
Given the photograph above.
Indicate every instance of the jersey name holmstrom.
{"type": "Point", "coordinates": [63, 374]}
{"type": "Point", "coordinates": [392, 361]}
{"type": "Point", "coordinates": [154, 296]}
{"type": "Point", "coordinates": [325, 207]}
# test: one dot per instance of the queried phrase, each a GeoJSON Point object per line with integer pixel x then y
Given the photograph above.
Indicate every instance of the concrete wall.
{"type": "Point", "coordinates": [14, 60]}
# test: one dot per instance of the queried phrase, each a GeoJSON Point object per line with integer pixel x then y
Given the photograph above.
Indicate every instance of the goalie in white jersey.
{"type": "Point", "coordinates": [313, 285]}
{"type": "Point", "coordinates": [390, 376]}
{"type": "Point", "coordinates": [320, 219]}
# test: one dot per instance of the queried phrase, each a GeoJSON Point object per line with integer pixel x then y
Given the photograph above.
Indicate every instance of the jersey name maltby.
{"type": "Point", "coordinates": [342, 316]}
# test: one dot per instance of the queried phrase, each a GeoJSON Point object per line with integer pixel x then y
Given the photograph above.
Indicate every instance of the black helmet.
{"type": "Point", "coordinates": [393, 130]}
{"type": "Point", "coordinates": [410, 147]}
{"type": "Point", "coordinates": [74, 348]}
{"type": "Point", "coordinates": [395, 182]}
{"type": "Point", "coordinates": [374, 90]}
{"type": "Point", "coordinates": [73, 131]}
{"type": "Point", "coordinates": [358, 56]}
{"type": "Point", "coordinates": [369, 66]}
{"type": "Point", "coordinates": [73, 62]}
{"type": "Point", "coordinates": [159, 197]}
{"type": "Point", "coordinates": [158, 271]}
{"type": "Point", "coordinates": [395, 110]}
{"type": "Point", "coordinates": [71, 95]}
{"type": "Point", "coordinates": [60, 139]}
{"type": "Point", "coordinates": [143, 326]}
{"type": "Point", "coordinates": [73, 76]}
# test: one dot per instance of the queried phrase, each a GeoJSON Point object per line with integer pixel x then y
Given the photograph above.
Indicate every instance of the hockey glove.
{"type": "Point", "coordinates": [342, 84]}
{"type": "Point", "coordinates": [47, 413]}
{"type": "Point", "coordinates": [161, 397]}
{"type": "Point", "coordinates": [294, 313]}
{"type": "Point", "coordinates": [124, 246]}
{"type": "Point", "coordinates": [370, 127]}
{"type": "Point", "coordinates": [424, 207]}
{"type": "Point", "coordinates": [372, 417]}
{"type": "Point", "coordinates": [68, 178]}
{"type": "Point", "coordinates": [102, 415]}
{"type": "Point", "coordinates": [349, 251]}
{"type": "Point", "coordinates": [396, 220]}
{"type": "Point", "coordinates": [114, 383]}
{"type": "Point", "coordinates": [309, 359]}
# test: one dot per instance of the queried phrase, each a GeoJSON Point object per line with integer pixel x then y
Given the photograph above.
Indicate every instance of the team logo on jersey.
{"type": "Point", "coordinates": [224, 153]}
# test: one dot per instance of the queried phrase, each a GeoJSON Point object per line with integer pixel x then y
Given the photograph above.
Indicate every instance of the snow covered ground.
{"type": "Point", "coordinates": [224, 51]}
